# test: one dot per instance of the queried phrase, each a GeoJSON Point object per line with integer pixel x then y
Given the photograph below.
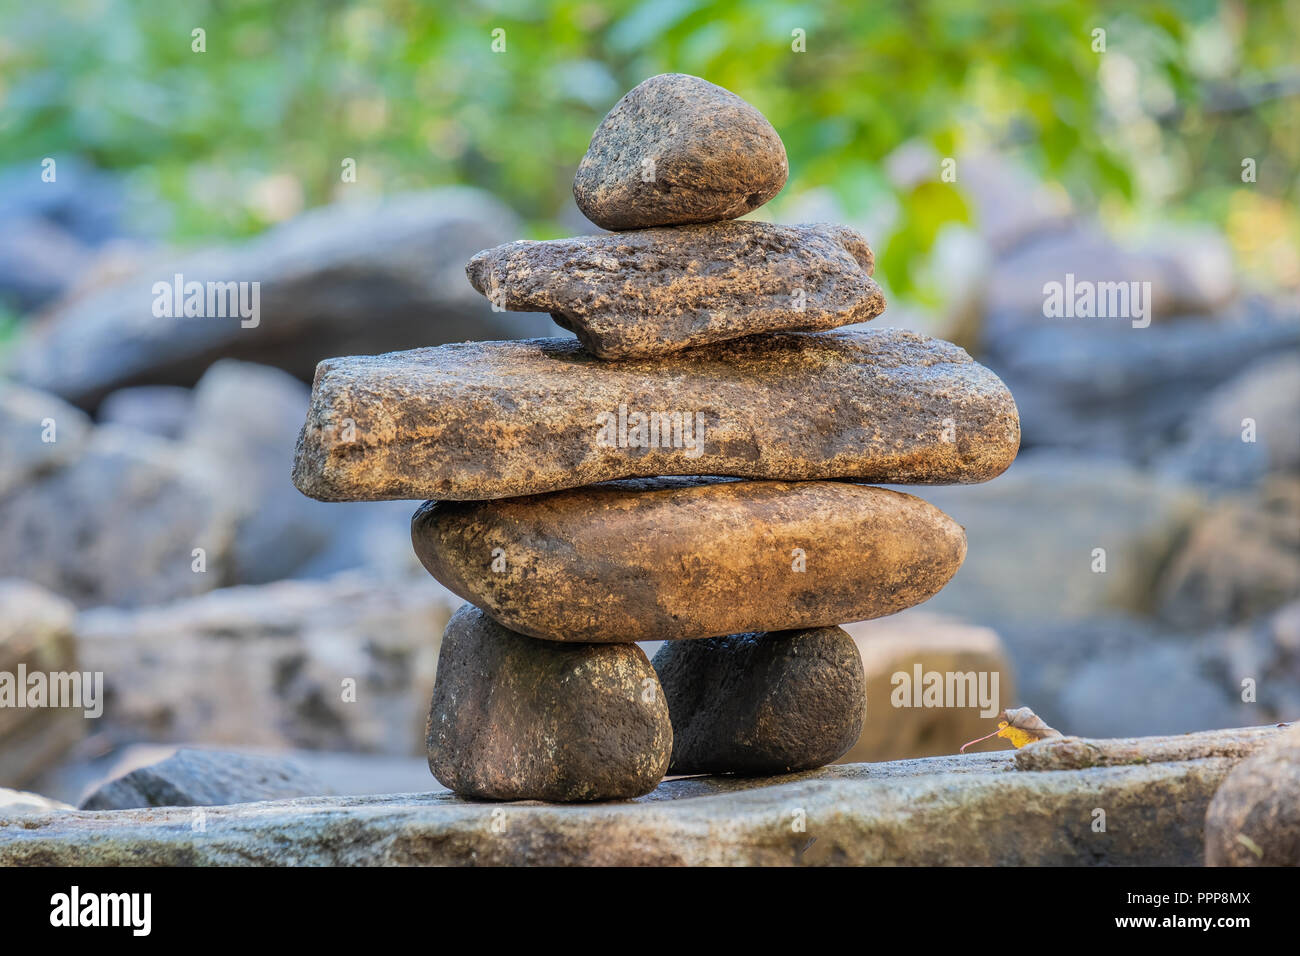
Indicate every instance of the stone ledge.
{"type": "Point", "coordinates": [975, 809]}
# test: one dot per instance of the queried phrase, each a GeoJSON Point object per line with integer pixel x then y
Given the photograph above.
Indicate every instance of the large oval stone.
{"type": "Point", "coordinates": [495, 419]}
{"type": "Point", "coordinates": [514, 718]}
{"type": "Point", "coordinates": [678, 149]}
{"type": "Point", "coordinates": [662, 560]}
{"type": "Point", "coordinates": [656, 291]}
{"type": "Point", "coordinates": [762, 703]}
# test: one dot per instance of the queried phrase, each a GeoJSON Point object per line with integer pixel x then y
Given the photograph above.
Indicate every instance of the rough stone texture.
{"type": "Point", "coordinates": [1079, 753]}
{"type": "Point", "coordinates": [656, 291]}
{"type": "Point", "coordinates": [756, 704]}
{"type": "Point", "coordinates": [973, 810]}
{"type": "Point", "coordinates": [120, 524]}
{"type": "Point", "coordinates": [1241, 560]}
{"type": "Point", "coordinates": [678, 149]}
{"type": "Point", "coordinates": [361, 276]}
{"type": "Point", "coordinates": [1254, 819]}
{"type": "Point", "coordinates": [662, 559]}
{"type": "Point", "coordinates": [515, 718]}
{"type": "Point", "coordinates": [265, 666]}
{"type": "Point", "coordinates": [36, 632]}
{"type": "Point", "coordinates": [25, 419]}
{"type": "Point", "coordinates": [1031, 537]}
{"type": "Point", "coordinates": [206, 778]}
{"type": "Point", "coordinates": [498, 419]}
{"type": "Point", "coordinates": [938, 643]}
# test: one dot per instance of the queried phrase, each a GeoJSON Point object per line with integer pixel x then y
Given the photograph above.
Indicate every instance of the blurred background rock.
{"type": "Point", "coordinates": [176, 434]}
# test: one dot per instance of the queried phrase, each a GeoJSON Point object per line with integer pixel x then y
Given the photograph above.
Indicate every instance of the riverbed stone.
{"type": "Point", "coordinates": [939, 811]}
{"type": "Point", "coordinates": [656, 291]}
{"type": "Point", "coordinates": [482, 420]}
{"type": "Point", "coordinates": [662, 559]}
{"type": "Point", "coordinates": [755, 704]}
{"type": "Point", "coordinates": [515, 718]}
{"type": "Point", "coordinates": [1254, 818]}
{"type": "Point", "coordinates": [679, 149]}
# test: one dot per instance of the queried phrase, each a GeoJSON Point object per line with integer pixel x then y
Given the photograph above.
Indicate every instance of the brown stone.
{"type": "Point", "coordinates": [1254, 818]}
{"type": "Point", "coordinates": [762, 703]}
{"type": "Point", "coordinates": [514, 718]}
{"type": "Point", "coordinates": [678, 149]}
{"type": "Point", "coordinates": [669, 559]}
{"type": "Point", "coordinates": [655, 291]}
{"type": "Point", "coordinates": [497, 419]}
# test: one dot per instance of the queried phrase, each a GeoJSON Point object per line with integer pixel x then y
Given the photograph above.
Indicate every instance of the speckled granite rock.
{"type": "Point", "coordinates": [762, 703]}
{"type": "Point", "coordinates": [678, 149]}
{"type": "Point", "coordinates": [1254, 818]}
{"type": "Point", "coordinates": [515, 718]}
{"type": "Point", "coordinates": [497, 419]}
{"type": "Point", "coordinates": [662, 559]}
{"type": "Point", "coordinates": [655, 291]}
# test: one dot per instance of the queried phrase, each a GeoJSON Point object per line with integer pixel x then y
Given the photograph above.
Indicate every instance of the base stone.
{"type": "Point", "coordinates": [974, 809]}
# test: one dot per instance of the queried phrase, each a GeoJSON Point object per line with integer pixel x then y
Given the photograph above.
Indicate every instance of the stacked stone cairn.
{"type": "Point", "coordinates": [567, 504]}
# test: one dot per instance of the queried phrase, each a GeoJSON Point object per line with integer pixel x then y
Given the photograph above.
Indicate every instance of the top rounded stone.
{"type": "Point", "coordinates": [678, 149]}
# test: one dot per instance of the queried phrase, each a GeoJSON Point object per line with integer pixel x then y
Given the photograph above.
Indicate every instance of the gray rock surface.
{"type": "Point", "coordinates": [656, 291]}
{"type": "Point", "coordinates": [498, 419]}
{"type": "Point", "coordinates": [362, 276]}
{"type": "Point", "coordinates": [1241, 560]}
{"type": "Point", "coordinates": [1102, 385]}
{"type": "Point", "coordinates": [678, 149]}
{"type": "Point", "coordinates": [1244, 428]}
{"type": "Point", "coordinates": [970, 810]}
{"type": "Point", "coordinates": [344, 663]}
{"type": "Point", "coordinates": [516, 718]}
{"type": "Point", "coordinates": [120, 525]}
{"type": "Point", "coordinates": [1032, 535]}
{"type": "Point", "coordinates": [244, 422]}
{"type": "Point", "coordinates": [161, 410]}
{"type": "Point", "coordinates": [1254, 818]}
{"type": "Point", "coordinates": [755, 704]}
{"type": "Point", "coordinates": [38, 433]}
{"type": "Point", "coordinates": [206, 778]}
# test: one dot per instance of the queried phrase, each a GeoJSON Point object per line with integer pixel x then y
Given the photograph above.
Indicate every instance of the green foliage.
{"type": "Point", "coordinates": [413, 91]}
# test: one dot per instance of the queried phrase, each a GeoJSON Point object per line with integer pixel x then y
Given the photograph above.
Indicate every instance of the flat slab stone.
{"type": "Point", "coordinates": [972, 810]}
{"type": "Point", "coordinates": [678, 149]}
{"type": "Point", "coordinates": [656, 291]}
{"type": "Point", "coordinates": [497, 419]}
{"type": "Point", "coordinates": [663, 559]}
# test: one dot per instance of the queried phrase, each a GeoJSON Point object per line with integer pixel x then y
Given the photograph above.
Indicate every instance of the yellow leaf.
{"type": "Point", "coordinates": [1021, 726]}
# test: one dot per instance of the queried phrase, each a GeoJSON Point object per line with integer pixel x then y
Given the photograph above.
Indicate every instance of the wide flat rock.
{"type": "Point", "coordinates": [971, 810]}
{"type": "Point", "coordinates": [656, 291]}
{"type": "Point", "coordinates": [662, 559]}
{"type": "Point", "coordinates": [497, 419]}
